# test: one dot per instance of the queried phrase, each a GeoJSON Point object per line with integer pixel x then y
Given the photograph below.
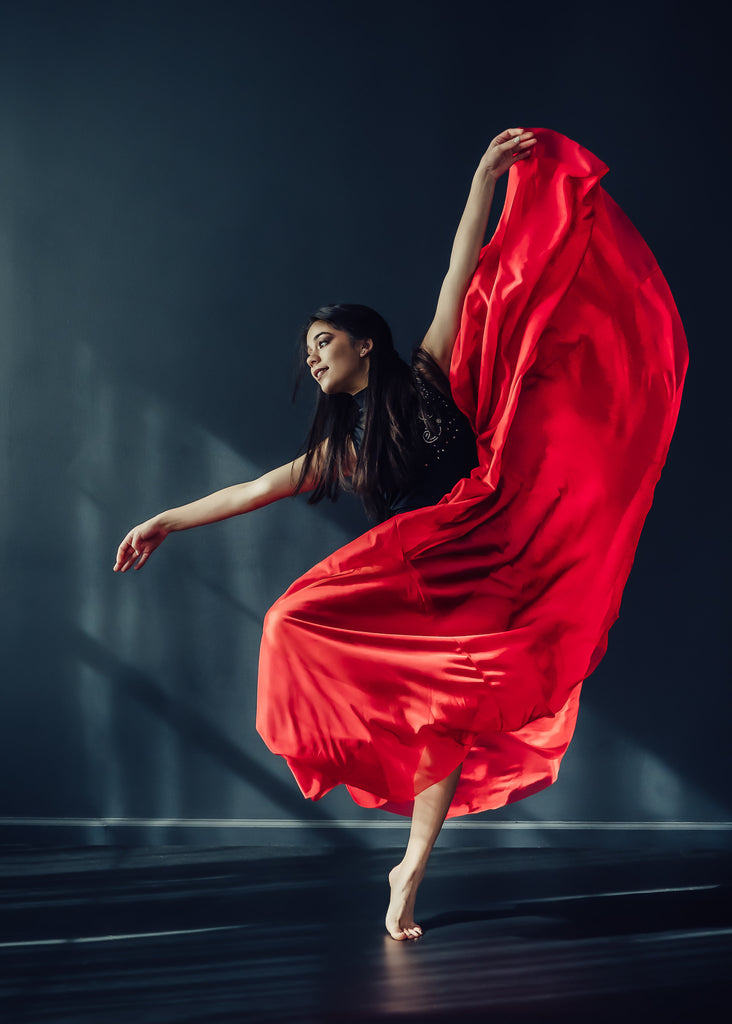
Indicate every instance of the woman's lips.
{"type": "Point", "coordinates": [319, 373]}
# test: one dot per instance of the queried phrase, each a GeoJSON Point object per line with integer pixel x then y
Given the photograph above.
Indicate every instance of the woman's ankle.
{"type": "Point", "coordinates": [411, 869]}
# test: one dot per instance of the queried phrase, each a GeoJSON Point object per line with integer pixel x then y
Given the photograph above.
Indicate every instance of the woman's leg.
{"type": "Point", "coordinates": [430, 808]}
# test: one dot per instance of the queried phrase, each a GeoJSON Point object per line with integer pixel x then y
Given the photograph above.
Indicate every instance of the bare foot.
{"type": "Point", "coordinates": [400, 915]}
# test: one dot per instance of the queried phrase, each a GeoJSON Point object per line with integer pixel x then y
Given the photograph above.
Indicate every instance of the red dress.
{"type": "Point", "coordinates": [462, 632]}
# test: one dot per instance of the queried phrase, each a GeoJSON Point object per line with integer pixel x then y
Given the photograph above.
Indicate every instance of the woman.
{"type": "Point", "coordinates": [433, 666]}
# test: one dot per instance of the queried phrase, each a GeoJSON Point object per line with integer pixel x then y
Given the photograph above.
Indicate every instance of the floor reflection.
{"type": "Point", "coordinates": [110, 935]}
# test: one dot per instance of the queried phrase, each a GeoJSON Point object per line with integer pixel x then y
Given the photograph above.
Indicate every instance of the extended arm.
{"type": "Point", "coordinates": [142, 540]}
{"type": "Point", "coordinates": [505, 150]}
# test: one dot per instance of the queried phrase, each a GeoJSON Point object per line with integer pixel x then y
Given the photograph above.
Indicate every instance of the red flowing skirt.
{"type": "Point", "coordinates": [462, 632]}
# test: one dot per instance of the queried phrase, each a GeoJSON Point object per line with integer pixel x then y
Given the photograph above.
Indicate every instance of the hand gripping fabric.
{"type": "Point", "coordinates": [462, 632]}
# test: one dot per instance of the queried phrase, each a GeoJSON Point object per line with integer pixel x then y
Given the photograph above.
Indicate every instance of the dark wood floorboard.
{"type": "Point", "coordinates": [178, 935]}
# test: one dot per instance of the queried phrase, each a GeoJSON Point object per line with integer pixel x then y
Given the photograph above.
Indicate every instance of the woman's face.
{"type": "Point", "coordinates": [337, 363]}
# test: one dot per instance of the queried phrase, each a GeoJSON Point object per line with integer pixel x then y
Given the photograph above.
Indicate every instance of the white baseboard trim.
{"type": "Point", "coordinates": [377, 824]}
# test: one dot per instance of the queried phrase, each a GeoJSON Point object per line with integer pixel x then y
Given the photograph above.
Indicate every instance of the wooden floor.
{"type": "Point", "coordinates": [109, 935]}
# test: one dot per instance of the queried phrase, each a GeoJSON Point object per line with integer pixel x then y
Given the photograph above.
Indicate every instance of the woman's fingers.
{"type": "Point", "coordinates": [143, 558]}
{"type": "Point", "coordinates": [134, 557]}
{"type": "Point", "coordinates": [127, 553]}
{"type": "Point", "coordinates": [123, 554]}
{"type": "Point", "coordinates": [507, 137]}
{"type": "Point", "coordinates": [523, 149]}
{"type": "Point", "coordinates": [125, 560]}
{"type": "Point", "coordinates": [517, 140]}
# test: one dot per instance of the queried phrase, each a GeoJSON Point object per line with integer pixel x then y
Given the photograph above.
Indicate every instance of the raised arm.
{"type": "Point", "coordinates": [142, 540]}
{"type": "Point", "coordinates": [506, 149]}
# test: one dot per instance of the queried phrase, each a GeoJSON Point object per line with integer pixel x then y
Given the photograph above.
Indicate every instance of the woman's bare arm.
{"type": "Point", "coordinates": [142, 540]}
{"type": "Point", "coordinates": [506, 149]}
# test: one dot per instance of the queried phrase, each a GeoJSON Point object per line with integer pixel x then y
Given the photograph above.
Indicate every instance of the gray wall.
{"type": "Point", "coordinates": [179, 185]}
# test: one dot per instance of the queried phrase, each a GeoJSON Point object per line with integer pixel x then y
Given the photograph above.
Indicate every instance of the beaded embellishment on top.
{"type": "Point", "coordinates": [443, 421]}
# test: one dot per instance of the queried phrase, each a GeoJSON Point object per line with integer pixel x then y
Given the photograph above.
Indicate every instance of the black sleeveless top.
{"type": "Point", "coordinates": [447, 450]}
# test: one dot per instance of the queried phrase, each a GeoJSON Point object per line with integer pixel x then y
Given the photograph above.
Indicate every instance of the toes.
{"type": "Point", "coordinates": [400, 934]}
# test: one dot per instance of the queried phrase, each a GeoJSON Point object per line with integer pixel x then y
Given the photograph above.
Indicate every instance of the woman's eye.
{"type": "Point", "coordinates": [323, 341]}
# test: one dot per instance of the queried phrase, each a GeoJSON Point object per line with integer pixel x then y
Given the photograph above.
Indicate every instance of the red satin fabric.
{"type": "Point", "coordinates": [462, 632]}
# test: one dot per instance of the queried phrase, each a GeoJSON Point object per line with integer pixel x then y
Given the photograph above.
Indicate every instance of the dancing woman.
{"type": "Point", "coordinates": [433, 666]}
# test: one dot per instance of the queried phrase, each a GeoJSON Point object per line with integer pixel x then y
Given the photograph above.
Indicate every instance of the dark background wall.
{"type": "Point", "coordinates": [179, 185]}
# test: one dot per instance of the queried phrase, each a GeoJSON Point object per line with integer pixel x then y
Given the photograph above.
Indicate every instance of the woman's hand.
{"type": "Point", "coordinates": [139, 544]}
{"type": "Point", "coordinates": [507, 149]}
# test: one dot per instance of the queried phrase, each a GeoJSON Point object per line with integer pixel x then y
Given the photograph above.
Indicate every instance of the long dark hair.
{"type": "Point", "coordinates": [386, 459]}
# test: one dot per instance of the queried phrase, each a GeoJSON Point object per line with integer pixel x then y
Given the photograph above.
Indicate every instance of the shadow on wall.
{"type": "Point", "coordinates": [194, 732]}
{"type": "Point", "coordinates": [607, 775]}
